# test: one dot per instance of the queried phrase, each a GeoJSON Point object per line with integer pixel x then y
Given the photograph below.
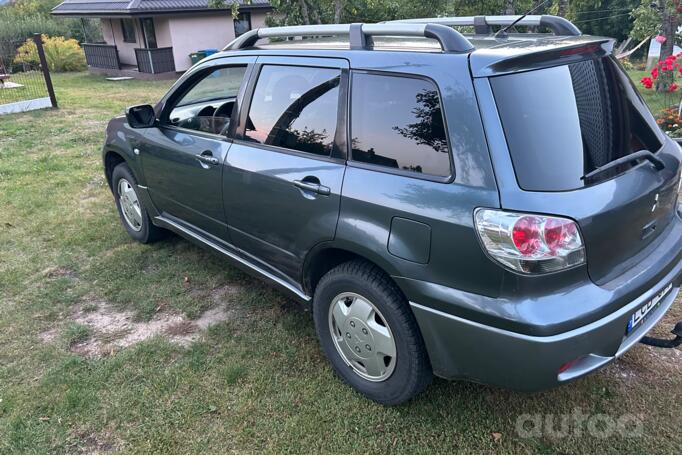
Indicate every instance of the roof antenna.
{"type": "Point", "coordinates": [503, 31]}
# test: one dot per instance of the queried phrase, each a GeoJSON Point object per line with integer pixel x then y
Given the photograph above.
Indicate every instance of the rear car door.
{"type": "Point", "coordinates": [183, 156]}
{"type": "Point", "coordinates": [284, 172]}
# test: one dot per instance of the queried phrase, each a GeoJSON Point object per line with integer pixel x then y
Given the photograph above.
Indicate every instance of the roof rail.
{"type": "Point", "coordinates": [360, 35]}
{"type": "Point", "coordinates": [481, 24]}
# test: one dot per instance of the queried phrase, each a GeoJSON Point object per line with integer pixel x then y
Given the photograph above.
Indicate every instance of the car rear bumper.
{"type": "Point", "coordinates": [463, 349]}
{"type": "Point", "coordinates": [495, 352]}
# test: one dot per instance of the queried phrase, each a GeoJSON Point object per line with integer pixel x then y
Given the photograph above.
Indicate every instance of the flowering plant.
{"type": "Point", "coordinates": [668, 67]}
{"type": "Point", "coordinates": [669, 120]}
{"type": "Point", "coordinates": [664, 74]}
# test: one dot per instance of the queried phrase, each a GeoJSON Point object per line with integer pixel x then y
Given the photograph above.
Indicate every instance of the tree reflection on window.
{"type": "Point", "coordinates": [295, 108]}
{"type": "Point", "coordinates": [397, 122]}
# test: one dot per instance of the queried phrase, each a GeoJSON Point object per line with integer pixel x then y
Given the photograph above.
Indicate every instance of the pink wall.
{"type": "Point", "coordinates": [113, 34]}
{"type": "Point", "coordinates": [163, 32]}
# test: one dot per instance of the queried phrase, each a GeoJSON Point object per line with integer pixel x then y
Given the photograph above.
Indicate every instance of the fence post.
{"type": "Point", "coordinates": [37, 38]}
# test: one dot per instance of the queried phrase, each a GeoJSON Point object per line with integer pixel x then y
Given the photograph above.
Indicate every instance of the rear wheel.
{"type": "Point", "coordinates": [369, 333]}
{"type": "Point", "coordinates": [134, 216]}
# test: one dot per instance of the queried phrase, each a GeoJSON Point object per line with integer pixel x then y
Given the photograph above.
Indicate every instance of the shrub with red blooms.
{"type": "Point", "coordinates": [669, 118]}
{"type": "Point", "coordinates": [669, 65]}
{"type": "Point", "coordinates": [647, 82]}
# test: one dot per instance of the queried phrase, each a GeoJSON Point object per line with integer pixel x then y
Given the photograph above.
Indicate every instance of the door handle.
{"type": "Point", "coordinates": [208, 158]}
{"type": "Point", "coordinates": [313, 187]}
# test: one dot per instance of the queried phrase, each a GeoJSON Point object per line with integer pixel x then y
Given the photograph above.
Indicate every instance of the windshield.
{"type": "Point", "coordinates": [562, 123]}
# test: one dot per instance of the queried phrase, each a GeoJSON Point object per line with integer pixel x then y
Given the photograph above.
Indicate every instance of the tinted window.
{"type": "Point", "coordinates": [242, 24]}
{"type": "Point", "coordinates": [207, 106]}
{"type": "Point", "coordinates": [295, 107]}
{"type": "Point", "coordinates": [128, 30]}
{"type": "Point", "coordinates": [397, 122]}
{"type": "Point", "coordinates": [149, 32]}
{"type": "Point", "coordinates": [562, 123]}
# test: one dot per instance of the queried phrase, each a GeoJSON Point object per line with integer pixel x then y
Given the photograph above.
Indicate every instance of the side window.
{"type": "Point", "coordinates": [242, 24]}
{"type": "Point", "coordinates": [397, 122]}
{"type": "Point", "coordinates": [295, 107]}
{"type": "Point", "coordinates": [128, 30]}
{"type": "Point", "coordinates": [207, 106]}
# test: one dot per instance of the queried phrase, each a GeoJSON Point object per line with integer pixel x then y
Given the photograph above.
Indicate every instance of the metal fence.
{"type": "Point", "coordinates": [25, 82]}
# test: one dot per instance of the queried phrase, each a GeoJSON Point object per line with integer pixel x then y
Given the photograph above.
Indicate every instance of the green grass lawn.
{"type": "Point", "coordinates": [28, 86]}
{"type": "Point", "coordinates": [656, 101]}
{"type": "Point", "coordinates": [255, 381]}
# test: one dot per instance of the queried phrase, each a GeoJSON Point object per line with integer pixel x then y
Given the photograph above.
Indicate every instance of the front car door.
{"type": "Point", "coordinates": [183, 157]}
{"type": "Point", "coordinates": [284, 172]}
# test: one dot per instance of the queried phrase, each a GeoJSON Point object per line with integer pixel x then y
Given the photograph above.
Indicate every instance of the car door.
{"type": "Point", "coordinates": [283, 176]}
{"type": "Point", "coordinates": [182, 158]}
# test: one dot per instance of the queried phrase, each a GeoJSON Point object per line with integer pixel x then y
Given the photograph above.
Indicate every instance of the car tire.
{"type": "Point", "coordinates": [133, 214]}
{"type": "Point", "coordinates": [358, 310]}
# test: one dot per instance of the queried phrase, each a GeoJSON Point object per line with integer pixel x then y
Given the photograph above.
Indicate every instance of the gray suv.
{"type": "Point", "coordinates": [497, 207]}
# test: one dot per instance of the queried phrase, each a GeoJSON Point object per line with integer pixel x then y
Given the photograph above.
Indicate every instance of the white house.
{"type": "Point", "coordinates": [153, 39]}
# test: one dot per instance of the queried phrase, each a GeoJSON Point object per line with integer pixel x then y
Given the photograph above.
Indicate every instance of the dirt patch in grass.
{"type": "Point", "coordinates": [113, 329]}
{"type": "Point", "coordinates": [94, 443]}
{"type": "Point", "coordinates": [49, 336]}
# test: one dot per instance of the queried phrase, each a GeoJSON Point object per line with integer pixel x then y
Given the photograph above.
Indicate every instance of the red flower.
{"type": "Point", "coordinates": [672, 88]}
{"type": "Point", "coordinates": [647, 82]}
{"type": "Point", "coordinates": [654, 73]}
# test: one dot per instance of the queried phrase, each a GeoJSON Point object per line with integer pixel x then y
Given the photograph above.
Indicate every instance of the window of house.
{"type": "Point", "coordinates": [207, 106]}
{"type": "Point", "coordinates": [149, 32]}
{"type": "Point", "coordinates": [397, 122]}
{"type": "Point", "coordinates": [295, 107]}
{"type": "Point", "coordinates": [242, 24]}
{"type": "Point", "coordinates": [128, 30]}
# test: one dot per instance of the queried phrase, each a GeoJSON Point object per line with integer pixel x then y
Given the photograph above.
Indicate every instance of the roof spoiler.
{"type": "Point", "coordinates": [482, 24]}
{"type": "Point", "coordinates": [360, 35]}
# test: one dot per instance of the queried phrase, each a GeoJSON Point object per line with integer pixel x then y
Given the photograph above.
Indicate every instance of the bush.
{"type": "Point", "coordinates": [669, 120]}
{"type": "Point", "coordinates": [61, 54]}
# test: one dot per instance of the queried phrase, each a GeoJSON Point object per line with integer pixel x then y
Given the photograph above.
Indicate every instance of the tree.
{"type": "Point", "coordinates": [669, 24]}
{"type": "Point", "coordinates": [509, 7]}
{"type": "Point", "coordinates": [610, 18]}
{"type": "Point", "coordinates": [563, 6]}
{"type": "Point", "coordinates": [338, 9]}
{"type": "Point", "coordinates": [661, 19]}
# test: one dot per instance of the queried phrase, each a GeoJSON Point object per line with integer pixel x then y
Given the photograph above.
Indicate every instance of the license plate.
{"type": "Point", "coordinates": [642, 313]}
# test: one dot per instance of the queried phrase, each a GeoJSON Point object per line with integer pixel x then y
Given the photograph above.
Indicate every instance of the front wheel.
{"type": "Point", "coordinates": [369, 334]}
{"type": "Point", "coordinates": [134, 216]}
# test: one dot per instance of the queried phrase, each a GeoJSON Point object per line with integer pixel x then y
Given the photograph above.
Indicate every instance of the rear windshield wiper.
{"type": "Point", "coordinates": [637, 156]}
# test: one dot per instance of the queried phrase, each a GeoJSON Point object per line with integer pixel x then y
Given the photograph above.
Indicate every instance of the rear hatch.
{"type": "Point", "coordinates": [566, 121]}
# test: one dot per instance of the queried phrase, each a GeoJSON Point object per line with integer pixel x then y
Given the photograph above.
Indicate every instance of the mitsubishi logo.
{"type": "Point", "coordinates": [653, 209]}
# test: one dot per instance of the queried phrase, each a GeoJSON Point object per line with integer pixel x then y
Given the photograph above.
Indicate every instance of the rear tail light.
{"type": "Point", "coordinates": [529, 243]}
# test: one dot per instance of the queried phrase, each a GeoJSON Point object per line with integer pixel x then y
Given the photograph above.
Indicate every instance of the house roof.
{"type": "Point", "coordinates": [99, 8]}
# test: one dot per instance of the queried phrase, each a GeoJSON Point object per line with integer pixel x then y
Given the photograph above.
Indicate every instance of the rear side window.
{"type": "Point", "coordinates": [295, 107]}
{"type": "Point", "coordinates": [397, 122]}
{"type": "Point", "coordinates": [562, 123]}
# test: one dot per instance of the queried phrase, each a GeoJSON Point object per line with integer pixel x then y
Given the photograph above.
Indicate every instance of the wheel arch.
{"type": "Point", "coordinates": [326, 256]}
{"type": "Point", "coordinates": [111, 160]}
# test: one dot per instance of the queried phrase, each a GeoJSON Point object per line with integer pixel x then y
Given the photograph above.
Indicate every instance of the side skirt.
{"type": "Point", "coordinates": [237, 260]}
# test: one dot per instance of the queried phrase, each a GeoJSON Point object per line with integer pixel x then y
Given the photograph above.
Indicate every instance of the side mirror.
{"type": "Point", "coordinates": [142, 116]}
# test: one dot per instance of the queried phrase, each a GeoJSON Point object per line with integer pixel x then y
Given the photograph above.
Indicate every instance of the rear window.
{"type": "Point", "coordinates": [562, 123]}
